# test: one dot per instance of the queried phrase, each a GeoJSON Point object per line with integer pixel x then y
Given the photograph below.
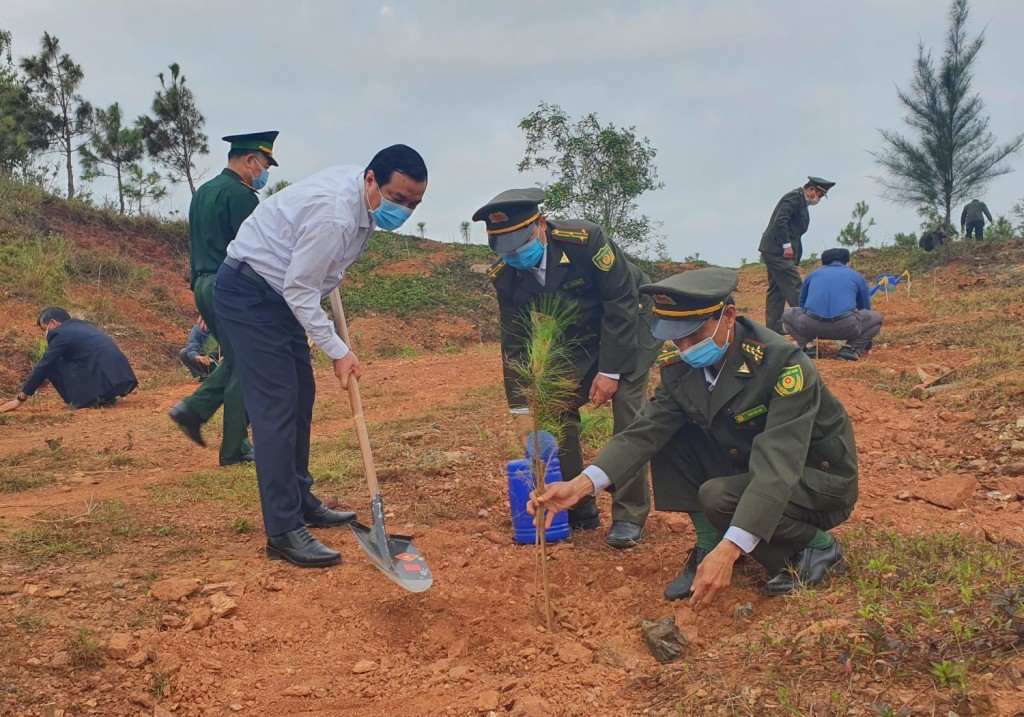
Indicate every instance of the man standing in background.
{"type": "Point", "coordinates": [781, 249]}
{"type": "Point", "coordinates": [217, 211]}
{"type": "Point", "coordinates": [972, 219]}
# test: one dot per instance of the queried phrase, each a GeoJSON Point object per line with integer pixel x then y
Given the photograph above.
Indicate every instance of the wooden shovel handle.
{"type": "Point", "coordinates": [353, 396]}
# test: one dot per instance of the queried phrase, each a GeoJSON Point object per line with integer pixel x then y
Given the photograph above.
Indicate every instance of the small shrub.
{"type": "Point", "coordinates": [85, 649]}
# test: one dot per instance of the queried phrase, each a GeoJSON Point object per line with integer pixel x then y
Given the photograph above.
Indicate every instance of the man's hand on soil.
{"type": "Point", "coordinates": [12, 405]}
{"type": "Point", "coordinates": [714, 574]}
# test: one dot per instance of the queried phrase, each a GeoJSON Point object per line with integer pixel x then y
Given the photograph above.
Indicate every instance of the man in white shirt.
{"type": "Point", "coordinates": [291, 252]}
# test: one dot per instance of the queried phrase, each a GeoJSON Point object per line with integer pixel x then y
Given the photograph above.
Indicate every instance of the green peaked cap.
{"type": "Point", "coordinates": [260, 141]}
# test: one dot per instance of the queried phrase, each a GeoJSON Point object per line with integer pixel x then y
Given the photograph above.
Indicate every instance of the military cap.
{"type": "Point", "coordinates": [262, 141]}
{"type": "Point", "coordinates": [684, 302]}
{"type": "Point", "coordinates": [830, 255]}
{"type": "Point", "coordinates": [509, 218]}
{"type": "Point", "coordinates": [823, 184]}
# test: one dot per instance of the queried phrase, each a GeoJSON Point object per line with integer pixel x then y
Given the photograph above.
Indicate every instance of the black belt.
{"type": "Point", "coordinates": [244, 269]}
{"type": "Point", "coordinates": [844, 315]}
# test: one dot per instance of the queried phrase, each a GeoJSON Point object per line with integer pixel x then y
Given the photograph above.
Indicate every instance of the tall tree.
{"type": "Point", "coordinates": [23, 121]}
{"type": "Point", "coordinates": [113, 149]}
{"type": "Point", "coordinates": [174, 134]}
{"type": "Point", "coordinates": [422, 226]}
{"type": "Point", "coordinates": [855, 234]}
{"type": "Point", "coordinates": [464, 230]}
{"type": "Point", "coordinates": [598, 174]}
{"type": "Point", "coordinates": [143, 189]}
{"type": "Point", "coordinates": [56, 79]}
{"type": "Point", "coordinates": [953, 154]}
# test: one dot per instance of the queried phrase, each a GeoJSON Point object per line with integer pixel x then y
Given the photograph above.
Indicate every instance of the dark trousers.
{"type": "Point", "coordinates": [784, 284]}
{"type": "Point", "coordinates": [695, 475]}
{"type": "Point", "coordinates": [631, 502]}
{"type": "Point", "coordinates": [977, 229]}
{"type": "Point", "coordinates": [221, 386]}
{"type": "Point", "coordinates": [272, 360]}
{"type": "Point", "coordinates": [198, 370]}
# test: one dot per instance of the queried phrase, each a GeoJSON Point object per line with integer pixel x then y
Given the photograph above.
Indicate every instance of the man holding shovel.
{"type": "Point", "coordinates": [290, 253]}
{"type": "Point", "coordinates": [612, 348]}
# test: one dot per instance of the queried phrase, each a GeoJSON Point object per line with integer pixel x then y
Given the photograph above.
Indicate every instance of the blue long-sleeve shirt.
{"type": "Point", "coordinates": [196, 340]}
{"type": "Point", "coordinates": [833, 290]}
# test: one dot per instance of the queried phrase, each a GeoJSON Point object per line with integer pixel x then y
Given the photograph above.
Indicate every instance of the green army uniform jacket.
{"type": "Point", "coordinates": [788, 224]}
{"type": "Point", "coordinates": [612, 327]}
{"type": "Point", "coordinates": [769, 415]}
{"type": "Point", "coordinates": [217, 211]}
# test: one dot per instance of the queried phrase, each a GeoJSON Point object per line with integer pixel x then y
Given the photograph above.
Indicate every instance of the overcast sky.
{"type": "Point", "coordinates": [741, 99]}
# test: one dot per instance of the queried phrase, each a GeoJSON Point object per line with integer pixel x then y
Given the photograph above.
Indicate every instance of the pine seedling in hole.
{"type": "Point", "coordinates": [546, 383]}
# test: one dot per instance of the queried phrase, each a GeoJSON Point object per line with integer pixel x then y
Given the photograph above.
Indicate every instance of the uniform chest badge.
{"type": "Point", "coordinates": [753, 350]}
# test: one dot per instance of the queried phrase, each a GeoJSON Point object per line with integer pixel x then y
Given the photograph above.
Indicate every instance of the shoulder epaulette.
{"type": "Point", "coordinates": [496, 268]}
{"type": "Point", "coordinates": [753, 350]}
{"type": "Point", "coordinates": [571, 235]}
{"type": "Point", "coordinates": [668, 356]}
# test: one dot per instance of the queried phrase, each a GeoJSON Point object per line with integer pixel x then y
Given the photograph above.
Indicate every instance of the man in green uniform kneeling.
{"type": "Point", "coordinates": [741, 434]}
{"type": "Point", "coordinates": [217, 211]}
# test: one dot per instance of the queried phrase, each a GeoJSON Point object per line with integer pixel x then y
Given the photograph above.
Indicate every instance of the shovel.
{"type": "Point", "coordinates": [394, 555]}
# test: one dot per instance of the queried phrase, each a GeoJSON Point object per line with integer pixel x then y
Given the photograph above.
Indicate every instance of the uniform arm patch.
{"type": "Point", "coordinates": [791, 381]}
{"type": "Point", "coordinates": [604, 259]}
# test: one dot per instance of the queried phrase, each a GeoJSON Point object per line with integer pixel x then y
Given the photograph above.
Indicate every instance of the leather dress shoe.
{"type": "Point", "coordinates": [585, 517]}
{"type": "Point", "coordinates": [808, 567]}
{"type": "Point", "coordinates": [682, 585]}
{"type": "Point", "coordinates": [624, 535]}
{"type": "Point", "coordinates": [324, 517]}
{"type": "Point", "coordinates": [299, 547]}
{"type": "Point", "coordinates": [811, 351]}
{"type": "Point", "coordinates": [244, 458]}
{"type": "Point", "coordinates": [189, 421]}
{"type": "Point", "coordinates": [848, 353]}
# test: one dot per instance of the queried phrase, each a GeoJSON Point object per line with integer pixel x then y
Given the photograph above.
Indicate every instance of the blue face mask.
{"type": "Point", "coordinates": [706, 352]}
{"type": "Point", "coordinates": [526, 256]}
{"type": "Point", "coordinates": [389, 215]}
{"type": "Point", "coordinates": [261, 181]}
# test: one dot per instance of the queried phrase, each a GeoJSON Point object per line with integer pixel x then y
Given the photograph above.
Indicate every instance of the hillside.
{"type": "Point", "coordinates": [98, 507]}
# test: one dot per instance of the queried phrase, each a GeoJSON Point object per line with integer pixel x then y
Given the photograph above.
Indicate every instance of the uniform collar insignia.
{"type": "Point", "coordinates": [564, 259]}
{"type": "Point", "coordinates": [743, 370]}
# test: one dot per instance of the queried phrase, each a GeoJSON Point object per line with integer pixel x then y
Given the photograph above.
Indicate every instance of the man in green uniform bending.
{"type": "Point", "coordinates": [612, 348]}
{"type": "Point", "coordinates": [217, 211]}
{"type": "Point", "coordinates": [741, 434]}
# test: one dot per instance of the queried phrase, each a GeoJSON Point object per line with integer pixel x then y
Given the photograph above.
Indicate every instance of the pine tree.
{"type": "Point", "coordinates": [112, 148]}
{"type": "Point", "coordinates": [174, 134]}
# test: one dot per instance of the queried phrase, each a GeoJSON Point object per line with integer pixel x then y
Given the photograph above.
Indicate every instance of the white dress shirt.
{"type": "Point", "coordinates": [302, 239]}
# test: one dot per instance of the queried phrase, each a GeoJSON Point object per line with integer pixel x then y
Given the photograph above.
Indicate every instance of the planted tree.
{"type": "Point", "coordinates": [464, 231]}
{"type": "Point", "coordinates": [174, 134]}
{"type": "Point", "coordinates": [112, 149]}
{"type": "Point", "coordinates": [55, 79]}
{"type": "Point", "coordinates": [143, 189]}
{"type": "Point", "coordinates": [855, 234]}
{"type": "Point", "coordinates": [547, 384]}
{"type": "Point", "coordinates": [598, 171]}
{"type": "Point", "coordinates": [422, 226]}
{"type": "Point", "coordinates": [24, 127]}
{"type": "Point", "coordinates": [951, 154]}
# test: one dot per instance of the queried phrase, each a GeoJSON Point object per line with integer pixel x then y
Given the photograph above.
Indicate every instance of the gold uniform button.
{"type": "Point", "coordinates": [825, 465]}
{"type": "Point", "coordinates": [734, 452]}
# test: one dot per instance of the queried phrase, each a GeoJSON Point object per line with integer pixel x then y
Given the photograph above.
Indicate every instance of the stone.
{"type": "Point", "coordinates": [676, 523]}
{"type": "Point", "coordinates": [530, 706]}
{"type": "Point", "coordinates": [364, 666]}
{"type": "Point", "coordinates": [1013, 469]}
{"type": "Point", "coordinates": [222, 604]}
{"type": "Point", "coordinates": [1017, 447]}
{"type": "Point", "coordinates": [479, 268]}
{"type": "Point", "coordinates": [1009, 486]}
{"type": "Point", "coordinates": [159, 711]}
{"type": "Point", "coordinates": [297, 691]}
{"type": "Point", "coordinates": [572, 652]}
{"type": "Point", "coordinates": [950, 491]}
{"type": "Point", "coordinates": [173, 589]}
{"type": "Point", "coordinates": [171, 622]}
{"type": "Point", "coordinates": [137, 659]}
{"type": "Point", "coordinates": [664, 639]}
{"type": "Point", "coordinates": [457, 648]}
{"type": "Point", "coordinates": [143, 699]}
{"type": "Point", "coordinates": [212, 588]}
{"type": "Point", "coordinates": [198, 619]}
{"type": "Point", "coordinates": [60, 659]}
{"type": "Point", "coordinates": [120, 646]}
{"type": "Point", "coordinates": [58, 593]}
{"type": "Point", "coordinates": [743, 611]}
{"type": "Point", "coordinates": [497, 538]}
{"type": "Point", "coordinates": [488, 701]}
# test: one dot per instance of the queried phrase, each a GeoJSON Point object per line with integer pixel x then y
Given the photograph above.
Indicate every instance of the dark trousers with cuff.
{"type": "Point", "coordinates": [784, 284]}
{"type": "Point", "coordinates": [272, 360]}
{"type": "Point", "coordinates": [975, 229]}
{"type": "Point", "coordinates": [693, 474]}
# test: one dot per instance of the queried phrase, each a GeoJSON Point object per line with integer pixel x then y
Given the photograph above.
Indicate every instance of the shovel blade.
{"type": "Point", "coordinates": [394, 555]}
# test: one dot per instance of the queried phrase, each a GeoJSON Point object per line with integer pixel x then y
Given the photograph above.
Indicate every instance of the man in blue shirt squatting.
{"type": "Point", "coordinates": [835, 303]}
{"type": "Point", "coordinates": [291, 252]}
{"type": "Point", "coordinates": [741, 434]}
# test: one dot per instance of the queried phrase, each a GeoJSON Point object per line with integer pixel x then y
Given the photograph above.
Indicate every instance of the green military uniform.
{"type": "Point", "coordinates": [769, 450]}
{"type": "Point", "coordinates": [217, 210]}
{"type": "Point", "coordinates": [610, 334]}
{"type": "Point", "coordinates": [788, 224]}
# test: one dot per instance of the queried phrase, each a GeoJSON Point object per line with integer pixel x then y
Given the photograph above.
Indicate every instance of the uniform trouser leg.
{"type": "Point", "coordinates": [267, 341]}
{"type": "Point", "coordinates": [693, 474]}
{"type": "Point", "coordinates": [977, 229]}
{"type": "Point", "coordinates": [223, 385]}
{"type": "Point", "coordinates": [783, 288]}
{"type": "Point", "coordinates": [570, 454]}
{"type": "Point", "coordinates": [631, 502]}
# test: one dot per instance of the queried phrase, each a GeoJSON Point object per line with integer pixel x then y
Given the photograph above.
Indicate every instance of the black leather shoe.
{"type": "Point", "coordinates": [811, 351]}
{"type": "Point", "coordinates": [682, 585]}
{"type": "Point", "coordinates": [585, 517]}
{"type": "Point", "coordinates": [324, 517]}
{"type": "Point", "coordinates": [847, 353]}
{"type": "Point", "coordinates": [299, 547]}
{"type": "Point", "coordinates": [244, 458]}
{"type": "Point", "coordinates": [189, 422]}
{"type": "Point", "coordinates": [624, 535]}
{"type": "Point", "coordinates": [808, 567]}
